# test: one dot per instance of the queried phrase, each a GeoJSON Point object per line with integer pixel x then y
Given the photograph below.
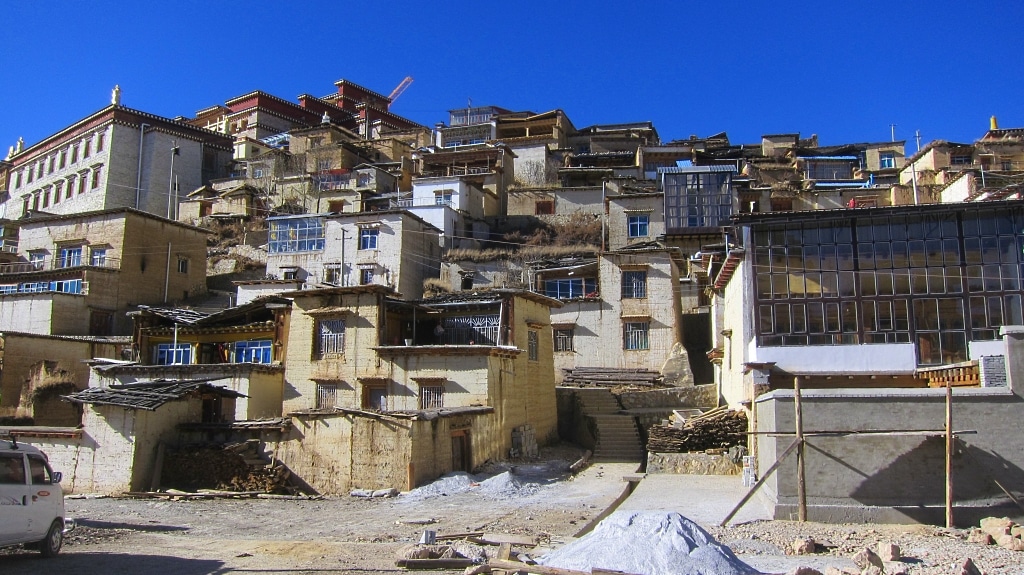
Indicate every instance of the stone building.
{"type": "Point", "coordinates": [399, 392]}
{"type": "Point", "coordinates": [115, 158]}
{"type": "Point", "coordinates": [79, 273]}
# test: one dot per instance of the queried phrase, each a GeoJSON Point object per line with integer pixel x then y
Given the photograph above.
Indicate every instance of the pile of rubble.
{"type": "Point", "coordinates": [999, 531]}
{"type": "Point", "coordinates": [884, 559]}
{"type": "Point", "coordinates": [720, 428]}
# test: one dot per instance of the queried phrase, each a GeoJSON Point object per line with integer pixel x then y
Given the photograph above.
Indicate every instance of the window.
{"type": "Point", "coordinates": [96, 177]}
{"type": "Point", "coordinates": [254, 351]}
{"type": "Point", "coordinates": [639, 226]}
{"type": "Point", "coordinates": [66, 286]}
{"type": "Point", "coordinates": [70, 189]}
{"type": "Point", "coordinates": [39, 471]}
{"type": "Point", "coordinates": [257, 173]}
{"type": "Point", "coordinates": [330, 338]}
{"type": "Point", "coordinates": [634, 335]}
{"type": "Point", "coordinates": [86, 149]}
{"type": "Point", "coordinates": [443, 198]}
{"type": "Point", "coordinates": [182, 265]}
{"type": "Point", "coordinates": [544, 207]}
{"type": "Point", "coordinates": [169, 354]}
{"type": "Point", "coordinates": [12, 469]}
{"type": "Point", "coordinates": [323, 165]}
{"type": "Point", "coordinates": [46, 197]}
{"type": "Point", "coordinates": [37, 259]}
{"type": "Point", "coordinates": [564, 339]}
{"type": "Point", "coordinates": [98, 256]}
{"type": "Point", "coordinates": [634, 284]}
{"type": "Point", "coordinates": [368, 238]}
{"type": "Point", "coordinates": [70, 257]}
{"type": "Point", "coordinates": [290, 273]}
{"type": "Point", "coordinates": [99, 142]}
{"type": "Point", "coordinates": [886, 160]}
{"type": "Point", "coordinates": [74, 154]}
{"type": "Point", "coordinates": [58, 187]}
{"type": "Point", "coordinates": [366, 276]}
{"type": "Point", "coordinates": [431, 396]}
{"type": "Point", "coordinates": [375, 396]}
{"type": "Point", "coordinates": [296, 235]}
{"type": "Point", "coordinates": [326, 395]}
{"type": "Point", "coordinates": [17, 180]}
{"type": "Point", "coordinates": [960, 160]}
{"type": "Point", "coordinates": [532, 345]}
{"type": "Point", "coordinates": [332, 274]}
{"type": "Point", "coordinates": [570, 288]}
{"type": "Point", "coordinates": [697, 199]}
{"type": "Point", "coordinates": [63, 158]}
{"type": "Point", "coordinates": [51, 164]}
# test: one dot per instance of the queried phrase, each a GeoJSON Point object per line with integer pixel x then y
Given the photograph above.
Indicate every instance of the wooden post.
{"type": "Point", "coordinates": [801, 486]}
{"type": "Point", "coordinates": [949, 455]}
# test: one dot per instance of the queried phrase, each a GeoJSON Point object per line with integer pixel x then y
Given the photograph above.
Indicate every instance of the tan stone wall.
{"type": "Point", "coordinates": [618, 219]}
{"type": "Point", "coordinates": [22, 354]}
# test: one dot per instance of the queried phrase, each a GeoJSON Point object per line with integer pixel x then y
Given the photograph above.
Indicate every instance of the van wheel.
{"type": "Point", "coordinates": [50, 546]}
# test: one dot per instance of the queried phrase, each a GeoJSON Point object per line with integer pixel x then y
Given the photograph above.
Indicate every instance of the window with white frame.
{"type": "Point", "coordinates": [634, 335]}
{"type": "Point", "coordinates": [37, 259]}
{"type": "Point", "coordinates": [253, 351]}
{"type": "Point", "coordinates": [886, 160]}
{"type": "Point", "coordinates": [368, 238]}
{"type": "Point", "coordinates": [366, 276]}
{"type": "Point", "coordinates": [431, 396]}
{"type": "Point", "coordinates": [98, 256]}
{"type": "Point", "coordinates": [443, 198]}
{"type": "Point", "coordinates": [634, 284]}
{"type": "Point", "coordinates": [639, 225]}
{"type": "Point", "coordinates": [171, 354]}
{"type": "Point", "coordinates": [330, 337]}
{"type": "Point", "coordinates": [564, 339]}
{"type": "Point", "coordinates": [70, 256]}
{"type": "Point", "coordinates": [326, 395]}
{"type": "Point", "coordinates": [296, 235]}
{"type": "Point", "coordinates": [182, 265]}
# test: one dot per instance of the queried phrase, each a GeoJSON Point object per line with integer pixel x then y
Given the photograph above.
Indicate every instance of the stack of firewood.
{"type": "Point", "coordinates": [720, 428]}
{"type": "Point", "coordinates": [234, 467]}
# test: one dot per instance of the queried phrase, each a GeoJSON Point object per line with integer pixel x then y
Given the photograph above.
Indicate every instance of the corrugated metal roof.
{"type": "Point", "coordinates": [696, 169]}
{"type": "Point", "coordinates": [148, 395]}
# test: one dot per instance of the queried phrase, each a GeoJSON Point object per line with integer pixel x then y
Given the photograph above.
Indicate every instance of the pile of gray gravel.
{"type": "Point", "coordinates": [649, 542]}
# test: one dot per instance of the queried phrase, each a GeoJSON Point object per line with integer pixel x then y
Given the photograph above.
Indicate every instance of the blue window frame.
{"type": "Point", "coordinates": [639, 226]}
{"type": "Point", "coordinates": [254, 351]}
{"type": "Point", "coordinates": [169, 354]}
{"type": "Point", "coordinates": [70, 257]}
{"type": "Point", "coordinates": [368, 238]}
{"type": "Point", "coordinates": [886, 160]}
{"type": "Point", "coordinates": [569, 288]}
{"type": "Point", "coordinates": [296, 235]}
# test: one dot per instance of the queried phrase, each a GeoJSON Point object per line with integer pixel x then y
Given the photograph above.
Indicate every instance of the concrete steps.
{"type": "Point", "coordinates": [617, 435]}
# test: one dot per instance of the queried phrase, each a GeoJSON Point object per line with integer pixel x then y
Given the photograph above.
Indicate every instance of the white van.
{"type": "Point", "coordinates": [31, 500]}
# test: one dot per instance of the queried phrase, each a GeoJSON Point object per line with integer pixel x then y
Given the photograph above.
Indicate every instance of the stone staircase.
{"type": "Point", "coordinates": [617, 436]}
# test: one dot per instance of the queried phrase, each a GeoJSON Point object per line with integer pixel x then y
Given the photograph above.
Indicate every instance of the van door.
{"type": "Point", "coordinates": [45, 497]}
{"type": "Point", "coordinates": [15, 512]}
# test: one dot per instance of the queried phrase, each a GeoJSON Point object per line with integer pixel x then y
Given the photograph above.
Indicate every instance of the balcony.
{"type": "Point", "coordinates": [9, 246]}
{"type": "Point", "coordinates": [421, 202]}
{"type": "Point", "coordinates": [49, 264]}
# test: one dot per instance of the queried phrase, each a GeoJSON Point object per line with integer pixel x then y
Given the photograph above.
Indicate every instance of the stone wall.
{"type": "Point", "coordinates": [701, 396]}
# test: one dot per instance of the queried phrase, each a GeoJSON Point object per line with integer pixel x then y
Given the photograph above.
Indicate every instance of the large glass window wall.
{"type": "Point", "coordinates": [935, 280]}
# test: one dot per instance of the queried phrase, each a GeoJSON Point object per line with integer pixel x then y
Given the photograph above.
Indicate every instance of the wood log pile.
{"type": "Point", "coordinates": [720, 428]}
{"type": "Point", "coordinates": [611, 377]}
{"type": "Point", "coordinates": [232, 467]}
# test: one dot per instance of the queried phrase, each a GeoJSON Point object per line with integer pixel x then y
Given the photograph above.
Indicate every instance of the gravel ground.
{"type": "Point", "coordinates": [362, 535]}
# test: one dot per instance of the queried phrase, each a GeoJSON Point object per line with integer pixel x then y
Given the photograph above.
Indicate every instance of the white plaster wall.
{"type": "Point", "coordinates": [958, 190]}
{"type": "Point", "coordinates": [979, 349]}
{"type": "Point", "coordinates": [894, 358]}
{"type": "Point", "coordinates": [247, 293]}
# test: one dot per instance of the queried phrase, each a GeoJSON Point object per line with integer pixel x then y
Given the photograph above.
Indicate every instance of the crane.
{"type": "Point", "coordinates": [399, 89]}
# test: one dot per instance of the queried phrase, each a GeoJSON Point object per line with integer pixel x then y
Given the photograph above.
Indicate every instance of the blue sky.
{"type": "Point", "coordinates": [842, 70]}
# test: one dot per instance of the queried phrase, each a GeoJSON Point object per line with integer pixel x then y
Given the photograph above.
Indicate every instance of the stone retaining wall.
{"type": "Point", "coordinates": [693, 464]}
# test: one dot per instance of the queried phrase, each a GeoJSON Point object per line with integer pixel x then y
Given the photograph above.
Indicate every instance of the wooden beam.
{"type": "Point", "coordinates": [759, 483]}
{"type": "Point", "coordinates": [801, 485]}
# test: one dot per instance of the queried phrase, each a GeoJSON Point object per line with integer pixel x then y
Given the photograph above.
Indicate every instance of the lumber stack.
{"type": "Point", "coordinates": [232, 467]}
{"type": "Point", "coordinates": [719, 428]}
{"type": "Point", "coordinates": [611, 377]}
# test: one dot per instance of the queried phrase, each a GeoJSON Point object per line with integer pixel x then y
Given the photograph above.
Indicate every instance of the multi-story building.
{"type": "Point", "coordinates": [391, 248]}
{"type": "Point", "coordinates": [78, 274]}
{"type": "Point", "coordinates": [115, 158]}
{"type": "Point", "coordinates": [394, 393]}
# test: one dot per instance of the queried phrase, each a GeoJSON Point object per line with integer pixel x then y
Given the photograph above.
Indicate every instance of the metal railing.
{"type": "Point", "coordinates": [47, 264]}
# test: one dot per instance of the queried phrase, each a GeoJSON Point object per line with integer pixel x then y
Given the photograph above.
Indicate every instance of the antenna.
{"type": "Point", "coordinates": [892, 132]}
{"type": "Point", "coordinates": [917, 136]}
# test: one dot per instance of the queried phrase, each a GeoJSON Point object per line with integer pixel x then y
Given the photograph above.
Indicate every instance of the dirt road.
{"type": "Point", "coordinates": [335, 535]}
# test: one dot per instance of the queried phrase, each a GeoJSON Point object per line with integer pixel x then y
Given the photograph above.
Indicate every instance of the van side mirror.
{"type": "Point", "coordinates": [57, 476]}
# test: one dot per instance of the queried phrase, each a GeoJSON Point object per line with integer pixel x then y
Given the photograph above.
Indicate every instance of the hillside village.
{"type": "Point", "coordinates": [371, 303]}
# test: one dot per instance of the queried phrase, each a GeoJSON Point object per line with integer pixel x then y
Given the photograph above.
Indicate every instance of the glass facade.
{"type": "Point", "coordinates": [938, 280]}
{"type": "Point", "coordinates": [296, 235]}
{"type": "Point", "coordinates": [697, 199]}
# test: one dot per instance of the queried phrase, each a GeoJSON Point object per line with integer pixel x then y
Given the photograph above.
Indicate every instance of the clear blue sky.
{"type": "Point", "coordinates": [842, 70]}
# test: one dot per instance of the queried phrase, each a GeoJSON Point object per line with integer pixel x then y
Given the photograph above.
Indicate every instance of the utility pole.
{"type": "Point", "coordinates": [917, 136]}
